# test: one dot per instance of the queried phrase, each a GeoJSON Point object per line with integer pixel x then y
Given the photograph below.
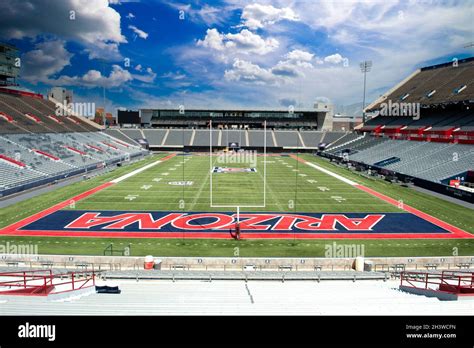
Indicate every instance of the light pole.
{"type": "Point", "coordinates": [365, 68]}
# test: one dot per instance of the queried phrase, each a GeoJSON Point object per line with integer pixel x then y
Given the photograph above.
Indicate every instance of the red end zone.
{"type": "Point", "coordinates": [18, 228]}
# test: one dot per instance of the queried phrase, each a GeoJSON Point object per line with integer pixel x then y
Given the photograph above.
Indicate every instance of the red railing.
{"type": "Point", "coordinates": [33, 117]}
{"type": "Point", "coordinates": [110, 145]}
{"type": "Point", "coordinates": [73, 120]}
{"type": "Point", "coordinates": [95, 148]}
{"type": "Point", "coordinates": [448, 281]}
{"type": "Point", "coordinates": [44, 282]}
{"type": "Point", "coordinates": [6, 117]}
{"type": "Point", "coordinates": [73, 149]}
{"type": "Point", "coordinates": [44, 153]}
{"type": "Point", "coordinates": [12, 161]}
{"type": "Point", "coordinates": [55, 119]}
{"type": "Point", "coordinates": [23, 93]}
{"type": "Point", "coordinates": [121, 143]}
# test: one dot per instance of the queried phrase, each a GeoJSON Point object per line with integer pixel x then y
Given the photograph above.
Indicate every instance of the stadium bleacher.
{"type": "Point", "coordinates": [312, 139]}
{"type": "Point", "coordinates": [201, 137]}
{"type": "Point", "coordinates": [132, 133]}
{"type": "Point", "coordinates": [37, 147]}
{"type": "Point", "coordinates": [287, 139]}
{"type": "Point", "coordinates": [233, 136]}
{"type": "Point", "coordinates": [179, 137]}
{"type": "Point", "coordinates": [155, 136]}
{"type": "Point", "coordinates": [436, 145]}
{"type": "Point", "coordinates": [257, 138]}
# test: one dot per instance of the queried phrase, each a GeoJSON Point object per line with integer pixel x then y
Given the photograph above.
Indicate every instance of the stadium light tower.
{"type": "Point", "coordinates": [365, 68]}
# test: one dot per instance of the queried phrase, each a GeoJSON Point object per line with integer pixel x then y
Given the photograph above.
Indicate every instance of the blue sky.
{"type": "Point", "coordinates": [230, 53]}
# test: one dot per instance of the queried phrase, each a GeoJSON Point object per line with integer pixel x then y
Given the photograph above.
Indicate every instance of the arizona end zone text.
{"type": "Point", "coordinates": [126, 221]}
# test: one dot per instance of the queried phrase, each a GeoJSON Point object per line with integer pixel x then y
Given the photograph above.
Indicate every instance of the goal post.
{"type": "Point", "coordinates": [232, 169]}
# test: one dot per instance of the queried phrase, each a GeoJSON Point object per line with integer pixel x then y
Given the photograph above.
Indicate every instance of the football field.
{"type": "Point", "coordinates": [188, 200]}
{"type": "Point", "coordinates": [183, 183]}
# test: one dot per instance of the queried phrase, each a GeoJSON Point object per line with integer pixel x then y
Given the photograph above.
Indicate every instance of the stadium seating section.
{"type": "Point", "coordinates": [434, 85]}
{"type": "Point", "coordinates": [37, 147]}
{"type": "Point", "coordinates": [433, 161]}
{"type": "Point", "coordinates": [183, 137]}
{"type": "Point", "coordinates": [436, 144]}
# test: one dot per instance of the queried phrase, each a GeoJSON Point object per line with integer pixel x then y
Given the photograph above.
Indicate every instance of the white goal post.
{"type": "Point", "coordinates": [211, 168]}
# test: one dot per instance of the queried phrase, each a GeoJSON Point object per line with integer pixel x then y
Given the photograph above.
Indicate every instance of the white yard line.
{"type": "Point", "coordinates": [136, 171]}
{"type": "Point", "coordinates": [201, 188]}
{"type": "Point", "coordinates": [334, 175]}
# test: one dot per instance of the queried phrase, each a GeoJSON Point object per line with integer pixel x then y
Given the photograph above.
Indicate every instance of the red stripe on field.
{"type": "Point", "coordinates": [459, 233]}
{"type": "Point", "coordinates": [167, 157]}
{"type": "Point", "coordinates": [211, 235]}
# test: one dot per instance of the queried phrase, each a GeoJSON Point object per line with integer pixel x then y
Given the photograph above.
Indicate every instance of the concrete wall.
{"type": "Point", "coordinates": [237, 263]}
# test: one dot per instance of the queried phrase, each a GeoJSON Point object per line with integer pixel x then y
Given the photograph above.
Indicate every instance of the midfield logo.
{"type": "Point", "coordinates": [233, 170]}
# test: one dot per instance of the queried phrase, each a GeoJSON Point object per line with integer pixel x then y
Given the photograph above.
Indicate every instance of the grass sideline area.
{"type": "Point", "coordinates": [198, 198]}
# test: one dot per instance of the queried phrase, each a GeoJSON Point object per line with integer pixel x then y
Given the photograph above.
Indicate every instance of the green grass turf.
{"type": "Point", "coordinates": [287, 190]}
{"type": "Point", "coordinates": [291, 187]}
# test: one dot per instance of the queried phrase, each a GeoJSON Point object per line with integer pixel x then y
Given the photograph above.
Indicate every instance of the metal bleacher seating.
{"type": "Point", "coordinates": [116, 133]}
{"type": "Point", "coordinates": [179, 137]}
{"type": "Point", "coordinates": [202, 138]}
{"type": "Point", "coordinates": [132, 133]}
{"type": "Point", "coordinates": [288, 138]}
{"type": "Point", "coordinates": [154, 136]}
{"type": "Point", "coordinates": [312, 138]}
{"type": "Point", "coordinates": [432, 161]}
{"type": "Point", "coordinates": [37, 145]}
{"type": "Point", "coordinates": [232, 136]}
{"type": "Point", "coordinates": [256, 138]}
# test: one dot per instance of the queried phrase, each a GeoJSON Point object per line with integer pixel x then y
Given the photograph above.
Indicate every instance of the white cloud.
{"type": "Point", "coordinates": [209, 15]}
{"type": "Point", "coordinates": [139, 32]}
{"type": "Point", "coordinates": [334, 59]}
{"type": "Point", "coordinates": [130, 15]}
{"type": "Point", "coordinates": [46, 59]}
{"type": "Point", "coordinates": [148, 78]}
{"type": "Point", "coordinates": [96, 25]}
{"type": "Point", "coordinates": [243, 70]}
{"type": "Point", "coordinates": [296, 62]}
{"type": "Point", "coordinates": [94, 78]}
{"type": "Point", "coordinates": [244, 42]}
{"type": "Point", "coordinates": [257, 16]}
{"type": "Point", "coordinates": [213, 40]}
{"type": "Point", "coordinates": [300, 55]}
{"type": "Point", "coordinates": [294, 66]}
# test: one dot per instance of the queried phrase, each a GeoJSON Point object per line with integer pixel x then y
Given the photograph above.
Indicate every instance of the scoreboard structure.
{"type": "Point", "coordinates": [9, 65]}
{"type": "Point", "coordinates": [128, 117]}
